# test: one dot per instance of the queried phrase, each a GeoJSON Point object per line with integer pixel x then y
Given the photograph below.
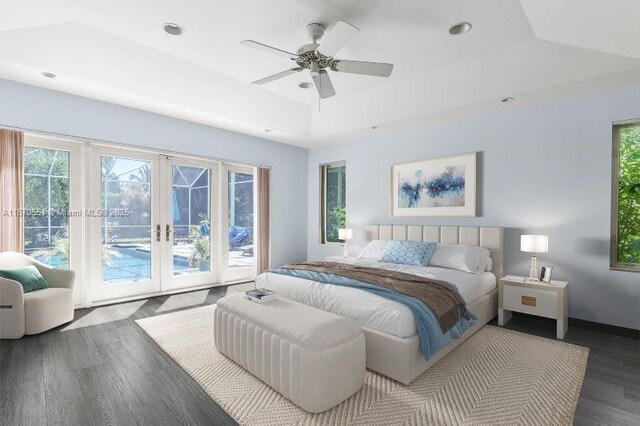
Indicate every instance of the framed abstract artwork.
{"type": "Point", "coordinates": [444, 186]}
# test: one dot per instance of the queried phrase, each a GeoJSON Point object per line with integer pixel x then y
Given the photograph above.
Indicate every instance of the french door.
{"type": "Point", "coordinates": [154, 223]}
{"type": "Point", "coordinates": [190, 219]}
{"type": "Point", "coordinates": [125, 222]}
{"type": "Point", "coordinates": [133, 222]}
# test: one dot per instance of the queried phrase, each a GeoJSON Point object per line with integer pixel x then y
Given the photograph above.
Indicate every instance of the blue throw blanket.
{"type": "Point", "coordinates": [432, 339]}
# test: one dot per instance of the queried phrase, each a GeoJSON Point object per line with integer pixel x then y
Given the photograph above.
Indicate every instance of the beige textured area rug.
{"type": "Point", "coordinates": [497, 376]}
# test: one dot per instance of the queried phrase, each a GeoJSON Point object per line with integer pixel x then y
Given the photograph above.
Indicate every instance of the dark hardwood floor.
{"type": "Point", "coordinates": [103, 369]}
{"type": "Point", "coordinates": [610, 393]}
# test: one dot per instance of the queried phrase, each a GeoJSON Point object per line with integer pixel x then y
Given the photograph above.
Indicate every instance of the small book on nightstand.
{"type": "Point", "coordinates": [261, 295]}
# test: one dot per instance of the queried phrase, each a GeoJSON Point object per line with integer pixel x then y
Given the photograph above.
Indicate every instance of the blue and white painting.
{"type": "Point", "coordinates": [444, 187]}
{"type": "Point", "coordinates": [437, 187]}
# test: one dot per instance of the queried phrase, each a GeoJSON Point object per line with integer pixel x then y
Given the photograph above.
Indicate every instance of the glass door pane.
{"type": "Point", "coordinates": [47, 203]}
{"type": "Point", "coordinates": [240, 204]}
{"type": "Point", "coordinates": [189, 223]}
{"type": "Point", "coordinates": [191, 215]}
{"type": "Point", "coordinates": [126, 226]}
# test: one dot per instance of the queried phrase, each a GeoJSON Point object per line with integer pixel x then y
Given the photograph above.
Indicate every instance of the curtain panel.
{"type": "Point", "coordinates": [11, 190]}
{"type": "Point", "coordinates": [264, 220]}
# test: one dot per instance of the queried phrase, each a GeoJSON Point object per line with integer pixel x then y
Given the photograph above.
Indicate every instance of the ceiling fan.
{"type": "Point", "coordinates": [319, 58]}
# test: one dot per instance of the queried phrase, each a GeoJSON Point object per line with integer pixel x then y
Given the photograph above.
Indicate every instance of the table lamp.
{"type": "Point", "coordinates": [345, 234]}
{"type": "Point", "coordinates": [534, 244]}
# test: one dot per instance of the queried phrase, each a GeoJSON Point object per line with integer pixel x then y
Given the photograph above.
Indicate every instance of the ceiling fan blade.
{"type": "Point", "coordinates": [276, 76]}
{"type": "Point", "coordinates": [340, 35]}
{"type": "Point", "coordinates": [323, 84]}
{"type": "Point", "coordinates": [377, 69]}
{"type": "Point", "coordinates": [267, 48]}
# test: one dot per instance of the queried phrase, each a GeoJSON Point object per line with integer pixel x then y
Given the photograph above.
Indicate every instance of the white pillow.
{"type": "Point", "coordinates": [471, 259]}
{"type": "Point", "coordinates": [373, 250]}
{"type": "Point", "coordinates": [489, 266]}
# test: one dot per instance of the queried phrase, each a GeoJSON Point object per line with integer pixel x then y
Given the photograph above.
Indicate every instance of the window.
{"type": "Point", "coordinates": [241, 220]}
{"type": "Point", "coordinates": [240, 248]}
{"type": "Point", "coordinates": [46, 201]}
{"type": "Point", "coordinates": [333, 185]}
{"type": "Point", "coordinates": [625, 215]}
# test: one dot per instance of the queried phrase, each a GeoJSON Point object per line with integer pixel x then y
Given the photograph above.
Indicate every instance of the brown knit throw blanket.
{"type": "Point", "coordinates": [440, 296]}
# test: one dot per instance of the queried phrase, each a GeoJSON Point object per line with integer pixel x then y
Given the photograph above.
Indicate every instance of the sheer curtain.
{"type": "Point", "coordinates": [11, 190]}
{"type": "Point", "coordinates": [264, 220]}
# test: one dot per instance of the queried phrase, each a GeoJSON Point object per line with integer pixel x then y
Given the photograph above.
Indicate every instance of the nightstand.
{"type": "Point", "coordinates": [535, 298]}
{"type": "Point", "coordinates": [340, 259]}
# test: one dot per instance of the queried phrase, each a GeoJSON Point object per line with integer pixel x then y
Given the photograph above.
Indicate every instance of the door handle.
{"type": "Point", "coordinates": [158, 232]}
{"type": "Point", "coordinates": [168, 232]}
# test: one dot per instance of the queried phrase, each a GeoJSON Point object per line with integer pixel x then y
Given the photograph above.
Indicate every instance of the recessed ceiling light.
{"type": "Point", "coordinates": [460, 28]}
{"type": "Point", "coordinates": [509, 99]}
{"type": "Point", "coordinates": [173, 29]}
{"type": "Point", "coordinates": [374, 127]}
{"type": "Point", "coordinates": [305, 85]}
{"type": "Point", "coordinates": [267, 130]}
{"type": "Point", "coordinates": [48, 74]}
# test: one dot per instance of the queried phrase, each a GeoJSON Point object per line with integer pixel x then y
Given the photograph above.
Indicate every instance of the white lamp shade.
{"type": "Point", "coordinates": [345, 234]}
{"type": "Point", "coordinates": [534, 243]}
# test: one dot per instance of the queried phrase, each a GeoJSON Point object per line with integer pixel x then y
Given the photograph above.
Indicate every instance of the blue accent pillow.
{"type": "Point", "coordinates": [408, 252]}
{"type": "Point", "coordinates": [28, 276]}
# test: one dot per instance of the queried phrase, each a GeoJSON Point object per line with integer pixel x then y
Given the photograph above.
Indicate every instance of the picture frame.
{"type": "Point", "coordinates": [545, 274]}
{"type": "Point", "coordinates": [436, 187]}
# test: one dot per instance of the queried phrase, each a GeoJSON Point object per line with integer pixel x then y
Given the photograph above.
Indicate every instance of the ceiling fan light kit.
{"type": "Point", "coordinates": [315, 31]}
{"type": "Point", "coordinates": [320, 58]}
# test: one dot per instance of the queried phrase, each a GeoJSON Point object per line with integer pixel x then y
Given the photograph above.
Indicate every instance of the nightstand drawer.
{"type": "Point", "coordinates": [530, 301]}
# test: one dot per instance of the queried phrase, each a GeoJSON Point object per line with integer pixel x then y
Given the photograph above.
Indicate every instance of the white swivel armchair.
{"type": "Point", "coordinates": [39, 310]}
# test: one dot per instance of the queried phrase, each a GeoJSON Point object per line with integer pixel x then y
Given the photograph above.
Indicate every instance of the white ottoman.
{"type": "Point", "coordinates": [314, 358]}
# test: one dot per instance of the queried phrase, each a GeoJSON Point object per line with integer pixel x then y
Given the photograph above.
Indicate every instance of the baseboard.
{"type": "Point", "coordinates": [605, 328]}
{"type": "Point", "coordinates": [165, 293]}
{"type": "Point", "coordinates": [150, 295]}
{"type": "Point", "coordinates": [615, 330]}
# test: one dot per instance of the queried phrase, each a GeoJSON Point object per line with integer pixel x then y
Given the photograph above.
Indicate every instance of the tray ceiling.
{"type": "Point", "coordinates": [117, 51]}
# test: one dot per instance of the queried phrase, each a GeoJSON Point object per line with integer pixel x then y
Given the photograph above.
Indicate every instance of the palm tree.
{"type": "Point", "coordinates": [143, 173]}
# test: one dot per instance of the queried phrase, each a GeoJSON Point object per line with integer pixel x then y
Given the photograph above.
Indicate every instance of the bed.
{"type": "Point", "coordinates": [393, 345]}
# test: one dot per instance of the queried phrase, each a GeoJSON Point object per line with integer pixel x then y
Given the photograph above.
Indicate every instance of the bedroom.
{"type": "Point", "coordinates": [545, 94]}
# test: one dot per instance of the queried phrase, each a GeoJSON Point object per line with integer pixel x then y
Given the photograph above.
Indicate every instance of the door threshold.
{"type": "Point", "coordinates": [147, 296]}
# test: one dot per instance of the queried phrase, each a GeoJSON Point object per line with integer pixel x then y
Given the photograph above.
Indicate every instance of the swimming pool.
{"type": "Point", "coordinates": [132, 264]}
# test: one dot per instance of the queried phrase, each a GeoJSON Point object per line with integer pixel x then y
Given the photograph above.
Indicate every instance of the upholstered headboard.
{"type": "Point", "coordinates": [490, 237]}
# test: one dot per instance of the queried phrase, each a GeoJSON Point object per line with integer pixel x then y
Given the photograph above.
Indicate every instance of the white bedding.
{"type": "Point", "coordinates": [367, 309]}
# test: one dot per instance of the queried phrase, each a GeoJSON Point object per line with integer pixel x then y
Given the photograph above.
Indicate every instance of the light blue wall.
{"type": "Point", "coordinates": [543, 169]}
{"type": "Point", "coordinates": [36, 108]}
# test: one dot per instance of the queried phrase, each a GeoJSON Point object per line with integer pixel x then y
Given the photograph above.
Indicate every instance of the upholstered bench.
{"type": "Point", "coordinates": [312, 357]}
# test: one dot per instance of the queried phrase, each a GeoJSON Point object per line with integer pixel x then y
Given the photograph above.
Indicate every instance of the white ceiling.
{"type": "Point", "coordinates": [117, 51]}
